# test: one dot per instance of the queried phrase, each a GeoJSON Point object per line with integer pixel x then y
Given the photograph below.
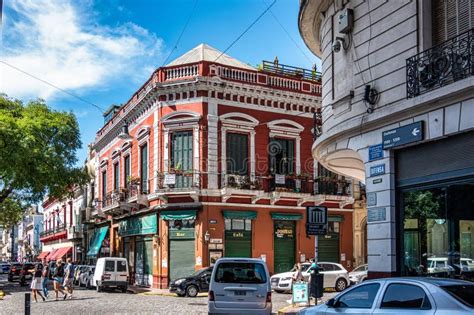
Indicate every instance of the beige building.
{"type": "Point", "coordinates": [398, 114]}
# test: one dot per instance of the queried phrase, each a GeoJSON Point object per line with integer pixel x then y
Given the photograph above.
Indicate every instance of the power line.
{"type": "Point", "coordinates": [54, 86]}
{"type": "Point", "coordinates": [182, 32]}
{"type": "Point", "coordinates": [246, 30]}
{"type": "Point", "coordinates": [289, 35]}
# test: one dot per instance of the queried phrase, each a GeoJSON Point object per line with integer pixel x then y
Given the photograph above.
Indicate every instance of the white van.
{"type": "Point", "coordinates": [111, 272]}
{"type": "Point", "coordinates": [240, 286]}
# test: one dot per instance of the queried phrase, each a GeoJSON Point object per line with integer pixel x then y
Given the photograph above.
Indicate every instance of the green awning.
{"type": "Point", "coordinates": [240, 214]}
{"type": "Point", "coordinates": [138, 226]}
{"type": "Point", "coordinates": [335, 218]}
{"type": "Point", "coordinates": [96, 241]}
{"type": "Point", "coordinates": [178, 215]}
{"type": "Point", "coordinates": [286, 216]}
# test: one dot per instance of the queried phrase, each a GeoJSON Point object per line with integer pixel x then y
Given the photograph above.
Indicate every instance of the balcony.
{"type": "Point", "coordinates": [289, 71]}
{"type": "Point", "coordinates": [124, 199]}
{"type": "Point", "coordinates": [441, 65]}
{"type": "Point", "coordinates": [58, 232]}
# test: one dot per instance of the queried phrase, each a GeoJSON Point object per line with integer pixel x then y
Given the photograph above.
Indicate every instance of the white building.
{"type": "Point", "coordinates": [398, 114]}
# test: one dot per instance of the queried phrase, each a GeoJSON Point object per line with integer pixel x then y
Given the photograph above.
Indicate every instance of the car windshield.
{"type": "Point", "coordinates": [462, 293]}
{"type": "Point", "coordinates": [360, 268]}
{"type": "Point", "coordinates": [239, 272]}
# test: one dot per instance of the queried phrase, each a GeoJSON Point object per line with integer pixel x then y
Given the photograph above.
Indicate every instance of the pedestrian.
{"type": "Point", "coordinates": [58, 279]}
{"type": "Point", "coordinates": [315, 291]}
{"type": "Point", "coordinates": [69, 277]}
{"type": "Point", "coordinates": [298, 274]}
{"type": "Point", "coordinates": [45, 278]}
{"type": "Point", "coordinates": [36, 283]}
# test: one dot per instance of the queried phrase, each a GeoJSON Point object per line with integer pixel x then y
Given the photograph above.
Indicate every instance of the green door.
{"type": "Point", "coordinates": [284, 245]}
{"type": "Point", "coordinates": [238, 244]}
{"type": "Point", "coordinates": [328, 248]}
{"type": "Point", "coordinates": [182, 253]}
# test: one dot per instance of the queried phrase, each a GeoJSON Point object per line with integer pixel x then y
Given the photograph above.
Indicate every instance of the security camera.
{"type": "Point", "coordinates": [336, 47]}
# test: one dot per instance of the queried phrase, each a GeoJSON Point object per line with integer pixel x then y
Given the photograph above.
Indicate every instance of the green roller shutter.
{"type": "Point", "coordinates": [181, 253]}
{"type": "Point", "coordinates": [238, 244]}
{"type": "Point", "coordinates": [328, 248]}
{"type": "Point", "coordinates": [284, 245]}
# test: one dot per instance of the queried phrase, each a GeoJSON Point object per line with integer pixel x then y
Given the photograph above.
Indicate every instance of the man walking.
{"type": "Point", "coordinates": [69, 277]}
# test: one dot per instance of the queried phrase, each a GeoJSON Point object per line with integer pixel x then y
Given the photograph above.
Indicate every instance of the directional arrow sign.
{"type": "Point", "coordinates": [402, 135]}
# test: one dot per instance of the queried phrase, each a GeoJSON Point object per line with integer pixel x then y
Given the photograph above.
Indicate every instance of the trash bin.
{"type": "Point", "coordinates": [317, 285]}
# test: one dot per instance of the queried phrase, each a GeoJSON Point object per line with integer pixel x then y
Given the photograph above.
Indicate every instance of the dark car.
{"type": "Point", "coordinates": [192, 285]}
{"type": "Point", "coordinates": [26, 272]}
{"type": "Point", "coordinates": [4, 267]}
{"type": "Point", "coordinates": [14, 272]}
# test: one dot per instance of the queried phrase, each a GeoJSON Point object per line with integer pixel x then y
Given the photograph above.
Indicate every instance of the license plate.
{"type": "Point", "coordinates": [240, 293]}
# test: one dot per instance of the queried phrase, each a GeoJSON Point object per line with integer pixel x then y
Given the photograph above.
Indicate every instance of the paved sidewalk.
{"type": "Point", "coordinates": [153, 291]}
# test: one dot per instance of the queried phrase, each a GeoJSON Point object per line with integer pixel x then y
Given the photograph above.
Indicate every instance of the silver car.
{"type": "Point", "coordinates": [240, 286]}
{"type": "Point", "coordinates": [426, 296]}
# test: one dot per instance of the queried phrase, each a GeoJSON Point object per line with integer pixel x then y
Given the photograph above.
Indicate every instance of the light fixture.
{"type": "Point", "coordinates": [207, 237]}
{"type": "Point", "coordinates": [124, 133]}
{"type": "Point", "coordinates": [440, 221]}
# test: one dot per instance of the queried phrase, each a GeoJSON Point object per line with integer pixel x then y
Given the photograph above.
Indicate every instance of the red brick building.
{"type": "Point", "coordinates": [212, 157]}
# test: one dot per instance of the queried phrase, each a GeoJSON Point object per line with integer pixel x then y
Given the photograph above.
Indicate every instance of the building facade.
{"type": "Point", "coordinates": [398, 115]}
{"type": "Point", "coordinates": [29, 229]}
{"type": "Point", "coordinates": [212, 158]}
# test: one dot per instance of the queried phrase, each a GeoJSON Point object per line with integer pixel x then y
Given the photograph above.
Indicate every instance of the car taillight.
{"type": "Point", "coordinates": [269, 297]}
{"type": "Point", "coordinates": [211, 295]}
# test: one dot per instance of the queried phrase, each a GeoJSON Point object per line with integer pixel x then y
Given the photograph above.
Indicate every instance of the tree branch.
{"type": "Point", "coordinates": [5, 193]}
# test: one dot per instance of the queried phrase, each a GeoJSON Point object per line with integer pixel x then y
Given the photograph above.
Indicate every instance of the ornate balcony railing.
{"type": "Point", "coordinates": [441, 65]}
{"type": "Point", "coordinates": [294, 184]}
{"type": "Point", "coordinates": [244, 182]}
{"type": "Point", "coordinates": [335, 187]}
{"type": "Point", "coordinates": [57, 229]}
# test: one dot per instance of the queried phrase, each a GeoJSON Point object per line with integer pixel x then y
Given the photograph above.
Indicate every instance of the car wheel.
{"type": "Point", "coordinates": [192, 291]}
{"type": "Point", "coordinates": [341, 285]}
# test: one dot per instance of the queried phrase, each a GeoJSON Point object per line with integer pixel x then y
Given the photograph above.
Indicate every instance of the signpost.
{"type": "Point", "coordinates": [403, 135]}
{"type": "Point", "coordinates": [316, 224]}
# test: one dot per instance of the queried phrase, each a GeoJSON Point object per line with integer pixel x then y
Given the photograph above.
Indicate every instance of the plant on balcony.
{"type": "Point", "coordinates": [134, 180]}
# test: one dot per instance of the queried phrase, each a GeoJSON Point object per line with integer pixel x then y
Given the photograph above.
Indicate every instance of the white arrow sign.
{"type": "Point", "coordinates": [415, 132]}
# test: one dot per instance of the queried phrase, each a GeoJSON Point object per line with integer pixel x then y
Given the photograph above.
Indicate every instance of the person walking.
{"type": "Point", "coordinates": [45, 278]}
{"type": "Point", "coordinates": [36, 283]}
{"type": "Point", "coordinates": [69, 277]}
{"type": "Point", "coordinates": [58, 279]}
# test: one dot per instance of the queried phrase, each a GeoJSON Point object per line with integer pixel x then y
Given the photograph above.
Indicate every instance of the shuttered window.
{"type": "Point", "coordinates": [181, 157]}
{"type": "Point", "coordinates": [282, 156]}
{"type": "Point", "coordinates": [104, 185]}
{"type": "Point", "coordinates": [144, 168]}
{"type": "Point", "coordinates": [126, 170]}
{"type": "Point", "coordinates": [237, 153]}
{"type": "Point", "coordinates": [451, 18]}
{"type": "Point", "coordinates": [116, 177]}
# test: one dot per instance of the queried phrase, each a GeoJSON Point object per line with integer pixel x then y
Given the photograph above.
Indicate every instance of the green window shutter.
{"type": "Point", "coordinates": [182, 156]}
{"type": "Point", "coordinates": [144, 168]}
{"type": "Point", "coordinates": [237, 153]}
{"type": "Point", "coordinates": [104, 185]}
{"type": "Point", "coordinates": [126, 170]}
{"type": "Point", "coordinates": [116, 176]}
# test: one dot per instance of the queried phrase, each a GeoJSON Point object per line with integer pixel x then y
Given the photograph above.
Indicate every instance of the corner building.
{"type": "Point", "coordinates": [398, 115]}
{"type": "Point", "coordinates": [211, 158]}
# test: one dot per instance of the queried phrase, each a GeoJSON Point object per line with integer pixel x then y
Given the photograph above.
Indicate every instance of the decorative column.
{"type": "Point", "coordinates": [252, 154]}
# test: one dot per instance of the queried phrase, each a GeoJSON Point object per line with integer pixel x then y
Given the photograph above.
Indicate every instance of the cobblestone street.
{"type": "Point", "coordinates": [113, 302]}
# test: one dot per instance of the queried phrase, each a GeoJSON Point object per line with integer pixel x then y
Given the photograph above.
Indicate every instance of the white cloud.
{"type": "Point", "coordinates": [62, 43]}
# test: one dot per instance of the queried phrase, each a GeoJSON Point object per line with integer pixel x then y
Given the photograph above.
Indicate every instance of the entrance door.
{"type": "Point", "coordinates": [182, 253]}
{"type": "Point", "coordinates": [328, 248]}
{"type": "Point", "coordinates": [284, 245]}
{"type": "Point", "coordinates": [238, 244]}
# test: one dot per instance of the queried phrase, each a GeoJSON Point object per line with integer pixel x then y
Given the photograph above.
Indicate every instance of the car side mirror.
{"type": "Point", "coordinates": [332, 303]}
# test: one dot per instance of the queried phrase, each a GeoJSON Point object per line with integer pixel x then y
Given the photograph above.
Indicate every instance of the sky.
{"type": "Point", "coordinates": [103, 51]}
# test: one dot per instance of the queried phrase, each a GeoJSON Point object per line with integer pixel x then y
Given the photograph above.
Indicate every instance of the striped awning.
{"type": "Point", "coordinates": [42, 255]}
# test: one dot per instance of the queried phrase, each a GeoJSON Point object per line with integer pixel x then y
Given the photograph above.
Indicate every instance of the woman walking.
{"type": "Point", "coordinates": [58, 279]}
{"type": "Point", "coordinates": [37, 282]}
{"type": "Point", "coordinates": [45, 277]}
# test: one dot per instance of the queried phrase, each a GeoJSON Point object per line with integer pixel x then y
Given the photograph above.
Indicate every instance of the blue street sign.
{"type": "Point", "coordinates": [375, 152]}
{"type": "Point", "coordinates": [403, 135]}
{"type": "Point", "coordinates": [377, 170]}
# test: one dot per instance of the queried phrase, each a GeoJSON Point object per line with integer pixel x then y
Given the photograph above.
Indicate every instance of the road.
{"type": "Point", "coordinates": [91, 302]}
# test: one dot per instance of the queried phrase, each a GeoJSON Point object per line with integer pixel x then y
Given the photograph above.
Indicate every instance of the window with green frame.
{"type": "Point", "coordinates": [126, 170]}
{"type": "Point", "coordinates": [237, 153]}
{"type": "Point", "coordinates": [182, 157]}
{"type": "Point", "coordinates": [116, 177]}
{"type": "Point", "coordinates": [282, 155]}
{"type": "Point", "coordinates": [144, 168]}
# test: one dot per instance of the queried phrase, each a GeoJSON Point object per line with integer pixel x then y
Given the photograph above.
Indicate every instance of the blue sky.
{"type": "Point", "coordinates": [104, 50]}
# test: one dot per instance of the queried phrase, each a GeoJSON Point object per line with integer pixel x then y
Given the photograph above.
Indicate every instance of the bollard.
{"type": "Point", "coordinates": [27, 303]}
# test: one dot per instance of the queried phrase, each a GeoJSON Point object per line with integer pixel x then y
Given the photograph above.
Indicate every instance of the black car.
{"type": "Point", "coordinates": [192, 285]}
{"type": "Point", "coordinates": [14, 272]}
{"type": "Point", "coordinates": [26, 272]}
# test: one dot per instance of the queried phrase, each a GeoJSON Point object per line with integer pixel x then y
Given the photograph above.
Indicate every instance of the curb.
{"type": "Point", "coordinates": [290, 310]}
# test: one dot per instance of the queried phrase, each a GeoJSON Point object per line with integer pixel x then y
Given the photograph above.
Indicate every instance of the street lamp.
{"type": "Point", "coordinates": [124, 134]}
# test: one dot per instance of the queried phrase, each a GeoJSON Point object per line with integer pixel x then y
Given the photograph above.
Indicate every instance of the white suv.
{"type": "Point", "coordinates": [335, 277]}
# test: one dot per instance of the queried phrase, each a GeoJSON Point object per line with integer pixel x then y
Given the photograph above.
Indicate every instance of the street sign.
{"type": "Point", "coordinates": [371, 199]}
{"type": "Point", "coordinates": [316, 220]}
{"type": "Point", "coordinates": [403, 135]}
{"type": "Point", "coordinates": [375, 152]}
{"type": "Point", "coordinates": [376, 214]}
{"type": "Point", "coordinates": [377, 181]}
{"type": "Point", "coordinates": [377, 170]}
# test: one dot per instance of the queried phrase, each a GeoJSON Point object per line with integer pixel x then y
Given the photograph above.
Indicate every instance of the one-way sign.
{"type": "Point", "coordinates": [316, 220]}
{"type": "Point", "coordinates": [402, 135]}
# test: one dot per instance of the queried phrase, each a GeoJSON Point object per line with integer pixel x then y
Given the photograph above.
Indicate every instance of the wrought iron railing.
{"type": "Point", "coordinates": [441, 65]}
{"type": "Point", "coordinates": [330, 186]}
{"type": "Point", "coordinates": [294, 184]}
{"type": "Point", "coordinates": [57, 229]}
{"type": "Point", "coordinates": [244, 182]}
{"type": "Point", "coordinates": [289, 71]}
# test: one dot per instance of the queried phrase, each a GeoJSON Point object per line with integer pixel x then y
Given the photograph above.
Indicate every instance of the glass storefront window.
{"type": "Point", "coordinates": [238, 224]}
{"type": "Point", "coordinates": [438, 231]}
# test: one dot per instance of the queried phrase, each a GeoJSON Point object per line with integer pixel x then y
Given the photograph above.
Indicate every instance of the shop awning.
{"type": "Point", "coordinates": [240, 214]}
{"type": "Point", "coordinates": [59, 253]}
{"type": "Point", "coordinates": [178, 215]}
{"type": "Point", "coordinates": [286, 216]}
{"type": "Point", "coordinates": [138, 226]}
{"type": "Point", "coordinates": [96, 241]}
{"type": "Point", "coordinates": [42, 255]}
{"type": "Point", "coordinates": [51, 254]}
{"type": "Point", "coordinates": [335, 218]}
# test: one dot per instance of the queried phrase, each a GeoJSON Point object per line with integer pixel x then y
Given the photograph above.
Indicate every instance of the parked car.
{"type": "Point", "coordinates": [439, 267]}
{"type": "Point", "coordinates": [14, 272]}
{"type": "Point", "coordinates": [335, 277]}
{"type": "Point", "coordinates": [359, 274]}
{"type": "Point", "coordinates": [111, 272]}
{"type": "Point", "coordinates": [426, 296]}
{"type": "Point", "coordinates": [26, 273]}
{"type": "Point", "coordinates": [240, 286]}
{"type": "Point", "coordinates": [193, 284]}
{"type": "Point", "coordinates": [86, 279]}
{"type": "Point", "coordinates": [4, 267]}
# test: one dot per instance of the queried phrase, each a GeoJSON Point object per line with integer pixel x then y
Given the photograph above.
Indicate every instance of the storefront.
{"type": "Point", "coordinates": [238, 233]}
{"type": "Point", "coordinates": [284, 240]}
{"type": "Point", "coordinates": [137, 239]}
{"type": "Point", "coordinates": [181, 237]}
{"type": "Point", "coordinates": [436, 208]}
{"type": "Point", "coordinates": [328, 245]}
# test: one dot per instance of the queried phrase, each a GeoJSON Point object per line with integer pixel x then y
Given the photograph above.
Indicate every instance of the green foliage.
{"type": "Point", "coordinates": [422, 204]}
{"type": "Point", "coordinates": [37, 153]}
{"type": "Point", "coordinates": [11, 211]}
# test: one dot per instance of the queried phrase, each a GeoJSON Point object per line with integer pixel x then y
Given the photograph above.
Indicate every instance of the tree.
{"type": "Point", "coordinates": [37, 155]}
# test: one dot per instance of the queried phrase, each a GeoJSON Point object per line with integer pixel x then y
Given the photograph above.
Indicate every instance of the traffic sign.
{"type": "Point", "coordinates": [403, 135]}
{"type": "Point", "coordinates": [316, 220]}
